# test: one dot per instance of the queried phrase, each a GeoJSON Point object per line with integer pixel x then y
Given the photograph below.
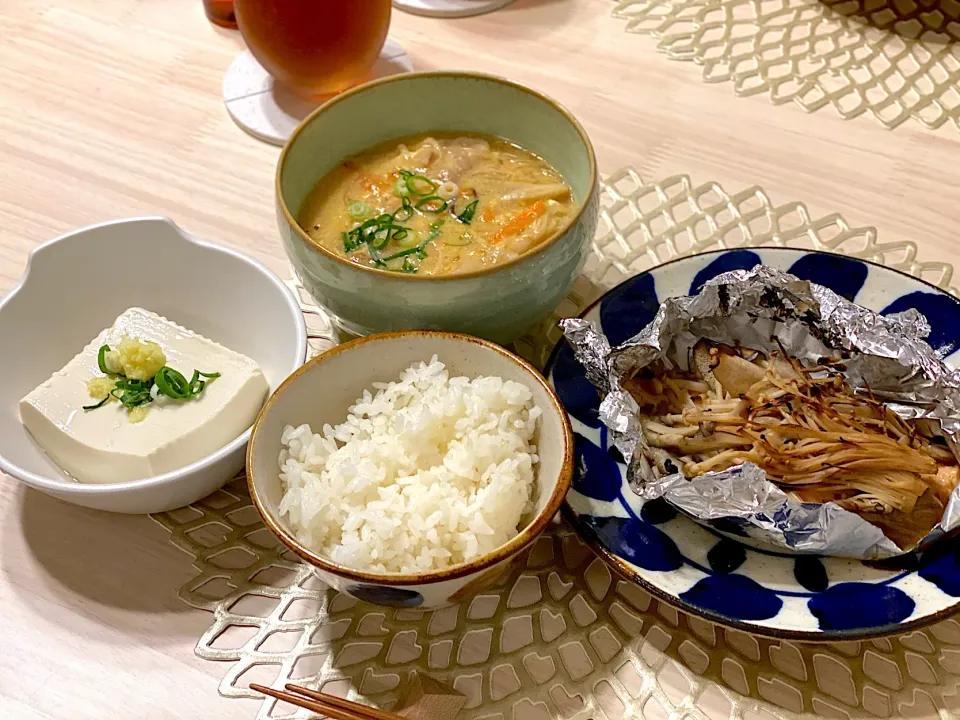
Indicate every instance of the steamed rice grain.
{"type": "Point", "coordinates": [431, 471]}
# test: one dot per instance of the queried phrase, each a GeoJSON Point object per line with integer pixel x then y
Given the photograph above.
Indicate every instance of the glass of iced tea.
{"type": "Point", "coordinates": [220, 12]}
{"type": "Point", "coordinates": [315, 47]}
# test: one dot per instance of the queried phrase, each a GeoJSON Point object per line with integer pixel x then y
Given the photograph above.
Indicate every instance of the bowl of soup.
{"type": "Point", "coordinates": [439, 200]}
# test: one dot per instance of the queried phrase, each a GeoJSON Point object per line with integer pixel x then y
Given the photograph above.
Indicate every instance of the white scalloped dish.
{"type": "Point", "coordinates": [79, 283]}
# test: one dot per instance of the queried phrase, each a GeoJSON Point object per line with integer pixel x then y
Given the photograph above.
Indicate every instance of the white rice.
{"type": "Point", "coordinates": [431, 471]}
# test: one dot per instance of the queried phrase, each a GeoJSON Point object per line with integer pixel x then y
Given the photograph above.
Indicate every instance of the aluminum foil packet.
{"type": "Point", "coordinates": [767, 310]}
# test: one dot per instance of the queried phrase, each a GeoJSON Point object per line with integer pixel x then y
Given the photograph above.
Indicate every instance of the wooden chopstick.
{"type": "Point", "coordinates": [331, 711]}
{"type": "Point", "coordinates": [330, 705]}
{"type": "Point", "coordinates": [341, 703]}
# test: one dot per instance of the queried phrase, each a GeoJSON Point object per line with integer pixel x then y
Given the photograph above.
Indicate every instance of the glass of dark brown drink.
{"type": "Point", "coordinates": [315, 47]}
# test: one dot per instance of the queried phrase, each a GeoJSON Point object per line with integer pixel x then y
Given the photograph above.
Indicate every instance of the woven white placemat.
{"type": "Point", "coordinates": [564, 637]}
{"type": "Point", "coordinates": [896, 59]}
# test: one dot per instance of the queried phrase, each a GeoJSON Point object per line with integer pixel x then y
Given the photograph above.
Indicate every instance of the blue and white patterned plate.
{"type": "Point", "coordinates": [705, 573]}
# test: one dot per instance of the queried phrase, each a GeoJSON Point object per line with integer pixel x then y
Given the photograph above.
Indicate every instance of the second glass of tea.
{"type": "Point", "coordinates": [316, 48]}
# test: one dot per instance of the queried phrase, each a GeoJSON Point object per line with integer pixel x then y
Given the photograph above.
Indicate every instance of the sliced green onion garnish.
{"type": "Point", "coordinates": [432, 204]}
{"type": "Point", "coordinates": [358, 210]}
{"type": "Point", "coordinates": [403, 253]}
{"type": "Point", "coordinates": [134, 393]}
{"type": "Point", "coordinates": [406, 240]}
{"type": "Point", "coordinates": [400, 187]}
{"type": "Point", "coordinates": [406, 210]}
{"type": "Point", "coordinates": [467, 215]}
{"type": "Point", "coordinates": [102, 361]}
{"type": "Point", "coordinates": [380, 238]}
{"type": "Point", "coordinates": [418, 184]}
{"type": "Point", "coordinates": [417, 249]}
{"type": "Point", "coordinates": [172, 384]}
{"type": "Point", "coordinates": [197, 385]}
{"type": "Point", "coordinates": [352, 240]}
{"type": "Point", "coordinates": [135, 399]}
{"type": "Point", "coordinates": [376, 233]}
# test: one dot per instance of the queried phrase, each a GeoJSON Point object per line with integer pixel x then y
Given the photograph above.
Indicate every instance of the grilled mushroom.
{"type": "Point", "coordinates": [806, 427]}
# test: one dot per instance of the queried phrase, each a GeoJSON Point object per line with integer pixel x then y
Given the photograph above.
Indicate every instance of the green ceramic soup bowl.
{"type": "Point", "coordinates": [497, 303]}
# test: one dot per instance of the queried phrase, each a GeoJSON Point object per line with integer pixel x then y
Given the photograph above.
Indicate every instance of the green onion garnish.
{"type": "Point", "coordinates": [172, 384]}
{"type": "Point", "coordinates": [432, 204]}
{"type": "Point", "coordinates": [99, 404]}
{"type": "Point", "coordinates": [467, 215]}
{"type": "Point", "coordinates": [417, 184]}
{"type": "Point", "coordinates": [402, 253]}
{"type": "Point", "coordinates": [102, 361]}
{"type": "Point", "coordinates": [380, 238]}
{"type": "Point", "coordinates": [376, 233]}
{"type": "Point", "coordinates": [418, 250]}
{"type": "Point", "coordinates": [350, 242]}
{"type": "Point", "coordinates": [400, 187]}
{"type": "Point", "coordinates": [197, 385]}
{"type": "Point", "coordinates": [358, 210]}
{"type": "Point", "coordinates": [132, 400]}
{"type": "Point", "coordinates": [134, 393]}
{"type": "Point", "coordinates": [406, 209]}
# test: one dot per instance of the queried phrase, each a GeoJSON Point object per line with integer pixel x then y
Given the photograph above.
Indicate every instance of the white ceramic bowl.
{"type": "Point", "coordinates": [77, 284]}
{"type": "Point", "coordinates": [322, 390]}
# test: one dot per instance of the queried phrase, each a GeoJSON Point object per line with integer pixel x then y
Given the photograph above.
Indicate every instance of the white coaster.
{"type": "Point", "coordinates": [268, 110]}
{"type": "Point", "coordinates": [449, 8]}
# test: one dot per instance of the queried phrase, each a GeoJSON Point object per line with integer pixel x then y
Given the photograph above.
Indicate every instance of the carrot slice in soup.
{"type": "Point", "coordinates": [520, 221]}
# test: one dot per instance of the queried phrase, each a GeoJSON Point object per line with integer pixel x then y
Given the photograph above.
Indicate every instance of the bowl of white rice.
{"type": "Point", "coordinates": [411, 469]}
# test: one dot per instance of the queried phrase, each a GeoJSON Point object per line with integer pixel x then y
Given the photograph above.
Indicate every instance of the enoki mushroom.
{"type": "Point", "coordinates": [805, 427]}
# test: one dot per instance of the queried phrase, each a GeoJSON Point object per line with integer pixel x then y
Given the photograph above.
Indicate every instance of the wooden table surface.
{"type": "Point", "coordinates": [112, 108]}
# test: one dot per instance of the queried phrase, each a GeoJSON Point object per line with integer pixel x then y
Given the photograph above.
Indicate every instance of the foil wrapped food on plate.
{"type": "Point", "coordinates": [805, 421]}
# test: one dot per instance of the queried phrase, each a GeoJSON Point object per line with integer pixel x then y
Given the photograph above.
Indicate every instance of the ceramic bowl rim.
{"type": "Point", "coordinates": [93, 489]}
{"type": "Point", "coordinates": [628, 573]}
{"type": "Point", "coordinates": [402, 277]}
{"type": "Point", "coordinates": [509, 549]}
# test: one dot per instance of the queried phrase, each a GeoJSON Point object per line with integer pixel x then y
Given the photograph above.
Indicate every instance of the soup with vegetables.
{"type": "Point", "coordinates": [438, 204]}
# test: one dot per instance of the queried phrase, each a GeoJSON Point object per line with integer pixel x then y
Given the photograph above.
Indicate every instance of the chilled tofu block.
{"type": "Point", "coordinates": [108, 444]}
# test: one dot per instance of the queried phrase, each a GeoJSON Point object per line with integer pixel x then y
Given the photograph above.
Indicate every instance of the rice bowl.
{"type": "Point", "coordinates": [322, 392]}
{"type": "Point", "coordinates": [431, 471]}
